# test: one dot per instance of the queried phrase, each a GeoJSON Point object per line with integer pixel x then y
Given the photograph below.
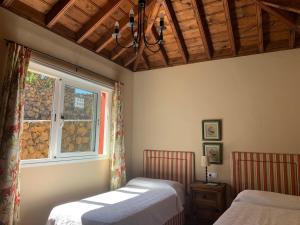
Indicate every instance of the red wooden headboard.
{"type": "Point", "coordinates": [266, 171]}
{"type": "Point", "coordinates": [170, 165]}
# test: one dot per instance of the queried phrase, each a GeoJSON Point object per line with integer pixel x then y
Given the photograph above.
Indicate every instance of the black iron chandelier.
{"type": "Point", "coordinates": [139, 35]}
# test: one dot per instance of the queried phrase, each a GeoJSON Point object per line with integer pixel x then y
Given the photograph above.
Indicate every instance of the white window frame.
{"type": "Point", "coordinates": [55, 154]}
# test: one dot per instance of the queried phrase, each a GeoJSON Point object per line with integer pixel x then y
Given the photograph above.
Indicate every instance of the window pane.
{"type": "Point", "coordinates": [37, 116]}
{"type": "Point", "coordinates": [35, 140]}
{"type": "Point", "coordinates": [79, 120]}
{"type": "Point", "coordinates": [78, 104]}
{"type": "Point", "coordinates": [77, 136]}
{"type": "Point", "coordinates": [38, 96]}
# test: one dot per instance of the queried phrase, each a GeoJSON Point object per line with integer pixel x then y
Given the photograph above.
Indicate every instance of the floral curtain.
{"type": "Point", "coordinates": [118, 167]}
{"type": "Point", "coordinates": [11, 116]}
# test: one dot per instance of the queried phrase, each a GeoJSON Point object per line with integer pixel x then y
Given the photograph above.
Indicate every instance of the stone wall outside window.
{"type": "Point", "coordinates": [35, 138]}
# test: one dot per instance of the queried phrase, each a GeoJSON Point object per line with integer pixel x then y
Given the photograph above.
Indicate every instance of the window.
{"type": "Point", "coordinates": [64, 117]}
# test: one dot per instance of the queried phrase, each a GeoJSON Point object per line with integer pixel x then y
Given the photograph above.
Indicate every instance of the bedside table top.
{"type": "Point", "coordinates": [199, 185]}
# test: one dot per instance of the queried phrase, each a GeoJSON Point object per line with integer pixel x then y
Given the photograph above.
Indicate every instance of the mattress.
{"type": "Point", "coordinates": [262, 208]}
{"type": "Point", "coordinates": [142, 201]}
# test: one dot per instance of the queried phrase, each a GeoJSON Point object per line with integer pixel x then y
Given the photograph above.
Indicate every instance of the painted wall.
{"type": "Point", "coordinates": [257, 97]}
{"type": "Point", "coordinates": [46, 186]}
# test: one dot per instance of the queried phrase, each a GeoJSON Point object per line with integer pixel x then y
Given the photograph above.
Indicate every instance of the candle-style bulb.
{"type": "Point", "coordinates": [131, 19]}
{"type": "Point", "coordinates": [117, 30]}
{"type": "Point", "coordinates": [162, 22]}
{"type": "Point", "coordinates": [161, 16]}
{"type": "Point", "coordinates": [131, 13]}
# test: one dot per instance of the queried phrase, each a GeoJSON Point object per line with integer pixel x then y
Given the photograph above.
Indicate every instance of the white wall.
{"type": "Point", "coordinates": [257, 97]}
{"type": "Point", "coordinates": [44, 187]}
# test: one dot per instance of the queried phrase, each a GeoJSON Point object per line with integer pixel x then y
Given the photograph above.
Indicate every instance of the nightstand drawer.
{"type": "Point", "coordinates": [205, 199]}
{"type": "Point", "coordinates": [205, 196]}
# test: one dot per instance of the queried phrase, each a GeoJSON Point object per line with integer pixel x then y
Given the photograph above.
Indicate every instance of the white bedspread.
{"type": "Point", "coordinates": [262, 208]}
{"type": "Point", "coordinates": [142, 201]}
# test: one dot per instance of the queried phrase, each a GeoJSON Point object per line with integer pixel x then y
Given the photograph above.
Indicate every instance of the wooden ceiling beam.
{"type": "Point", "coordinates": [146, 61]}
{"type": "Point", "coordinates": [98, 19]}
{"type": "Point", "coordinates": [57, 11]}
{"type": "Point", "coordinates": [260, 31]}
{"type": "Point", "coordinates": [176, 29]}
{"type": "Point", "coordinates": [229, 27]}
{"type": "Point", "coordinates": [119, 53]}
{"type": "Point", "coordinates": [143, 58]}
{"type": "Point", "coordinates": [129, 61]}
{"type": "Point", "coordinates": [162, 50]}
{"type": "Point", "coordinates": [198, 8]}
{"type": "Point", "coordinates": [151, 21]}
{"type": "Point", "coordinates": [31, 14]}
{"type": "Point", "coordinates": [7, 3]}
{"type": "Point", "coordinates": [290, 6]}
{"type": "Point", "coordinates": [274, 12]}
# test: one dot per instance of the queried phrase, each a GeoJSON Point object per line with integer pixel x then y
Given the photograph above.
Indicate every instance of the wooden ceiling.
{"type": "Point", "coordinates": [197, 30]}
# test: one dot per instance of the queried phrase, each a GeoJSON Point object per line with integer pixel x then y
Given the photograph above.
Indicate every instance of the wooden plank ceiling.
{"type": "Point", "coordinates": [197, 30]}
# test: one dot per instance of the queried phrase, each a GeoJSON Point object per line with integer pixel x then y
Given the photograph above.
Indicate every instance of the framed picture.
{"type": "Point", "coordinates": [214, 152]}
{"type": "Point", "coordinates": [212, 130]}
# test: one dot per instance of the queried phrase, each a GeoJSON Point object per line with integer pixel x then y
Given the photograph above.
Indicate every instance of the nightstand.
{"type": "Point", "coordinates": [207, 202]}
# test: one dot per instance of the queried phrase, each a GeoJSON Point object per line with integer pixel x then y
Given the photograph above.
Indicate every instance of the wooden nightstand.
{"type": "Point", "coordinates": [208, 202]}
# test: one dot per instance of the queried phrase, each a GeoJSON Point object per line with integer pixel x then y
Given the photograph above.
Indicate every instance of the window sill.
{"type": "Point", "coordinates": [60, 161]}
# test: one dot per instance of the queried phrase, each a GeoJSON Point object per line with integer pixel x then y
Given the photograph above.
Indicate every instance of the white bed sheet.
{"type": "Point", "coordinates": [142, 201]}
{"type": "Point", "coordinates": [262, 208]}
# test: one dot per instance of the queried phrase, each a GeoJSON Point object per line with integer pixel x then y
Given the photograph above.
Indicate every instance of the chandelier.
{"type": "Point", "coordinates": [139, 35]}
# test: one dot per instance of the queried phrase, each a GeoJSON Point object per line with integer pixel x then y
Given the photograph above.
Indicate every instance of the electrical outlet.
{"type": "Point", "coordinates": [212, 175]}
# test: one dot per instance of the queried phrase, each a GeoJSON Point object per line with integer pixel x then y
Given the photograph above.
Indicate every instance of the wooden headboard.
{"type": "Point", "coordinates": [266, 172]}
{"type": "Point", "coordinates": [170, 165]}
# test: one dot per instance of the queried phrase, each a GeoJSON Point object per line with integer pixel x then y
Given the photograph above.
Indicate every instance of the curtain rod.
{"type": "Point", "coordinates": [76, 67]}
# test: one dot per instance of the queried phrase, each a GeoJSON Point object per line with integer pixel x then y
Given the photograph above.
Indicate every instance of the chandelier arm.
{"type": "Point", "coordinates": [144, 36]}
{"type": "Point", "coordinates": [122, 46]}
{"type": "Point", "coordinates": [154, 51]}
{"type": "Point", "coordinates": [148, 43]}
{"type": "Point", "coordinates": [155, 43]}
{"type": "Point", "coordinates": [132, 32]}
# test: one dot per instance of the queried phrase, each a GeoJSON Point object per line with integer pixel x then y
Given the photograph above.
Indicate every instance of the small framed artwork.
{"type": "Point", "coordinates": [214, 152]}
{"type": "Point", "coordinates": [212, 130]}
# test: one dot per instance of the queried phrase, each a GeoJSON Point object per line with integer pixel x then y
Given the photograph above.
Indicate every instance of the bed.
{"type": "Point", "coordinates": [267, 187]}
{"type": "Point", "coordinates": [157, 198]}
{"type": "Point", "coordinates": [262, 208]}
